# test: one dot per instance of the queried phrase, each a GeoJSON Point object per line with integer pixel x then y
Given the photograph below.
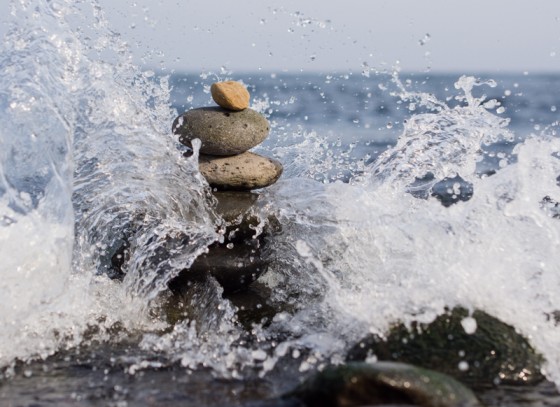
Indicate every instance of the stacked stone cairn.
{"type": "Point", "coordinates": [226, 133]}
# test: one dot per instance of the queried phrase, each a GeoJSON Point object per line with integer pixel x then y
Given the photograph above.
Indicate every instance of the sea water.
{"type": "Point", "coordinates": [88, 162]}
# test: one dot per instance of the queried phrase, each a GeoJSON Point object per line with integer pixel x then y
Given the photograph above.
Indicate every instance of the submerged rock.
{"type": "Point", "coordinates": [233, 265]}
{"type": "Point", "coordinates": [253, 306]}
{"type": "Point", "coordinates": [382, 383]}
{"type": "Point", "coordinates": [242, 256]}
{"type": "Point", "coordinates": [222, 132]}
{"type": "Point", "coordinates": [235, 205]}
{"type": "Point", "coordinates": [448, 191]}
{"type": "Point", "coordinates": [230, 95]}
{"type": "Point", "coordinates": [493, 353]}
{"type": "Point", "coordinates": [237, 209]}
{"type": "Point", "coordinates": [245, 171]}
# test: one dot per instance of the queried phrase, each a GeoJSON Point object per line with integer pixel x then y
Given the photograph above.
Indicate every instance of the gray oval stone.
{"type": "Point", "coordinates": [222, 132]}
{"type": "Point", "coordinates": [240, 172]}
{"type": "Point", "coordinates": [382, 383]}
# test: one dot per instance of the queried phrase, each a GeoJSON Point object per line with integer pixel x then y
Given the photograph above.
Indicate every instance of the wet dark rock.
{"type": "Point", "coordinates": [551, 207]}
{"type": "Point", "coordinates": [245, 171]}
{"type": "Point", "coordinates": [253, 306]}
{"type": "Point", "coordinates": [237, 208]}
{"type": "Point", "coordinates": [382, 383]}
{"type": "Point", "coordinates": [233, 265]}
{"type": "Point", "coordinates": [222, 132]}
{"type": "Point", "coordinates": [234, 204]}
{"type": "Point", "coordinates": [243, 255]}
{"type": "Point", "coordinates": [448, 191]}
{"type": "Point", "coordinates": [493, 354]}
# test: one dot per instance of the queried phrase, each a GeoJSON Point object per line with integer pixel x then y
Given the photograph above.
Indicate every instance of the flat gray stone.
{"type": "Point", "coordinates": [222, 132]}
{"type": "Point", "coordinates": [241, 172]}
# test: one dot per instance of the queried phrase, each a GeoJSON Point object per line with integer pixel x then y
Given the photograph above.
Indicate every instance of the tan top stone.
{"type": "Point", "coordinates": [230, 95]}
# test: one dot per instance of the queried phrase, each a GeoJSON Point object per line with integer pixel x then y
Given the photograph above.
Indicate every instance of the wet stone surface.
{"type": "Point", "coordinates": [243, 255]}
{"type": "Point", "coordinates": [245, 171]}
{"type": "Point", "coordinates": [494, 353]}
{"type": "Point", "coordinates": [222, 132]}
{"type": "Point", "coordinates": [383, 383]}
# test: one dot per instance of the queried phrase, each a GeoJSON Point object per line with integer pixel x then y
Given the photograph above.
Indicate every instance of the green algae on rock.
{"type": "Point", "coordinates": [494, 353]}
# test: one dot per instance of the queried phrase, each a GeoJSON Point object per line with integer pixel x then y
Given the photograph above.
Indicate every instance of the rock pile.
{"type": "Point", "coordinates": [227, 133]}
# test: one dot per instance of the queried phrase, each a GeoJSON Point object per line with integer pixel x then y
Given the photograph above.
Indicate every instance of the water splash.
{"type": "Point", "coordinates": [446, 144]}
{"type": "Point", "coordinates": [387, 256]}
{"type": "Point", "coordinates": [88, 167]}
{"type": "Point", "coordinates": [87, 163]}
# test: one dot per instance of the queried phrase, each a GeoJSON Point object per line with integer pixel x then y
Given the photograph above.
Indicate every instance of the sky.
{"type": "Point", "coordinates": [350, 35]}
{"type": "Point", "coordinates": [311, 35]}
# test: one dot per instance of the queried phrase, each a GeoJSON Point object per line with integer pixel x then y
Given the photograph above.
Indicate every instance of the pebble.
{"type": "Point", "coordinates": [221, 131]}
{"type": "Point", "coordinates": [241, 172]}
{"type": "Point", "coordinates": [230, 95]}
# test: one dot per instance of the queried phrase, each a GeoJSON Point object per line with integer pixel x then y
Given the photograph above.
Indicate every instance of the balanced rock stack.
{"type": "Point", "coordinates": [227, 133]}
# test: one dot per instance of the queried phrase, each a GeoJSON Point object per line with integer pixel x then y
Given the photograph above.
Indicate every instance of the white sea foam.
{"type": "Point", "coordinates": [86, 161]}
{"type": "Point", "coordinates": [386, 256]}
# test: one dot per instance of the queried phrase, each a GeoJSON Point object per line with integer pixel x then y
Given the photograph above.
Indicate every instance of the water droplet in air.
{"type": "Point", "coordinates": [389, 125]}
{"type": "Point", "coordinates": [424, 40]}
{"type": "Point", "coordinates": [469, 325]}
{"type": "Point", "coordinates": [552, 108]}
{"type": "Point", "coordinates": [463, 366]}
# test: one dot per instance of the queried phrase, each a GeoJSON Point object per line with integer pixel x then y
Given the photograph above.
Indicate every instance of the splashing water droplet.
{"type": "Point", "coordinates": [424, 40]}
{"type": "Point", "coordinates": [469, 325]}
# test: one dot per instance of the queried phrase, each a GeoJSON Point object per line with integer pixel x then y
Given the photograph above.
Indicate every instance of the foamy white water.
{"type": "Point", "coordinates": [86, 156]}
